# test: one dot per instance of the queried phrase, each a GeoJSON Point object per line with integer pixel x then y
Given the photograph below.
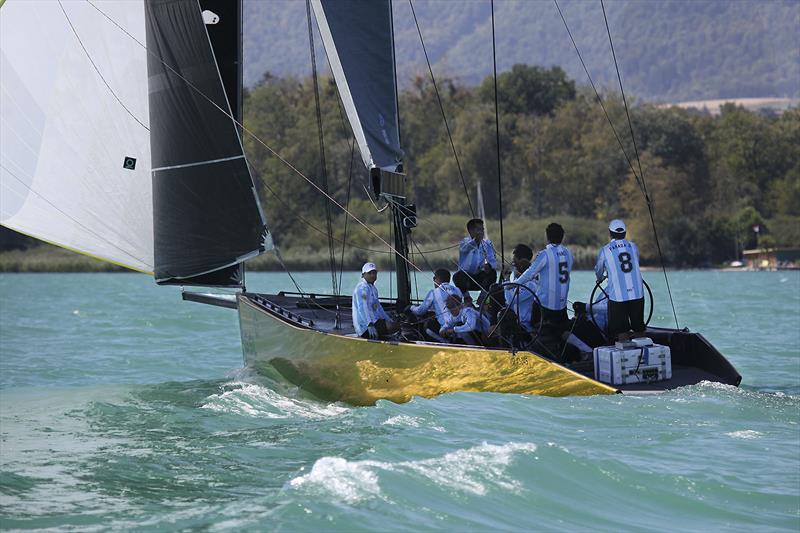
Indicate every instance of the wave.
{"type": "Point", "coordinates": [473, 470]}
{"type": "Point", "coordinates": [255, 400]}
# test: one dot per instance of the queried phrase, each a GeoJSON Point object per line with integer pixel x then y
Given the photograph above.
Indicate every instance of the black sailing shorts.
{"type": "Point", "coordinates": [625, 316]}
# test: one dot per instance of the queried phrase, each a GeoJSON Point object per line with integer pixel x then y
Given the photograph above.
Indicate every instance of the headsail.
{"type": "Point", "coordinates": [74, 140]}
{"type": "Point", "coordinates": [357, 35]}
{"type": "Point", "coordinates": [206, 215]}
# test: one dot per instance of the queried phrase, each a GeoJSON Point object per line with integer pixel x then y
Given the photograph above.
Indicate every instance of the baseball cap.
{"type": "Point", "coordinates": [368, 267]}
{"type": "Point", "coordinates": [617, 226]}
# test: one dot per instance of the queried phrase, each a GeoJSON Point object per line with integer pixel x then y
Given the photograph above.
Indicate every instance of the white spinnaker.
{"type": "Point", "coordinates": [74, 106]}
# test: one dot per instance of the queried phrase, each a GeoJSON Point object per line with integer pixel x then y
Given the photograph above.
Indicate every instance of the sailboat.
{"type": "Point", "coordinates": [122, 139]}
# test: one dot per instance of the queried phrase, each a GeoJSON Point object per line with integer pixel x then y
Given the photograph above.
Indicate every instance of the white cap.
{"type": "Point", "coordinates": [617, 226]}
{"type": "Point", "coordinates": [368, 267]}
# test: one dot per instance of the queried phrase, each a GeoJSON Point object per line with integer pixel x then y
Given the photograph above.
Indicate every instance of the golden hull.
{"type": "Point", "coordinates": [360, 372]}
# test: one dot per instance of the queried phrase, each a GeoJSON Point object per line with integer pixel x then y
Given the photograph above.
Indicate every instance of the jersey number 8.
{"type": "Point", "coordinates": [625, 263]}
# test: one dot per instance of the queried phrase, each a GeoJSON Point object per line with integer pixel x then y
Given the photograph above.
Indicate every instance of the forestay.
{"type": "Point", "coordinates": [358, 39]}
{"type": "Point", "coordinates": [74, 139]}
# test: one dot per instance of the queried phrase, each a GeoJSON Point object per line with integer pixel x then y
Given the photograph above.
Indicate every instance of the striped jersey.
{"type": "Point", "coordinates": [620, 260]}
{"type": "Point", "coordinates": [471, 256]}
{"type": "Point", "coordinates": [437, 299]}
{"type": "Point", "coordinates": [367, 308]}
{"type": "Point", "coordinates": [521, 302]}
{"type": "Point", "coordinates": [466, 321]}
{"type": "Point", "coordinates": [553, 265]}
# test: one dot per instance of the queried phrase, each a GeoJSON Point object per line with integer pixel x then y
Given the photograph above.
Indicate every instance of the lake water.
{"type": "Point", "coordinates": [123, 407]}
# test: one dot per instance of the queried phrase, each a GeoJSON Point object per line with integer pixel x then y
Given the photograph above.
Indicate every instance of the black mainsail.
{"type": "Point", "coordinates": [357, 35]}
{"type": "Point", "coordinates": [206, 215]}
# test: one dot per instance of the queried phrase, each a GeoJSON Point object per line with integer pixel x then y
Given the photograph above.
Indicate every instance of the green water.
{"type": "Point", "coordinates": [122, 407]}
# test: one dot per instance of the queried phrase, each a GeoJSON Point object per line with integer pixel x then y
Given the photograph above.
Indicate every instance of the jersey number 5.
{"type": "Point", "coordinates": [625, 263]}
{"type": "Point", "coordinates": [563, 273]}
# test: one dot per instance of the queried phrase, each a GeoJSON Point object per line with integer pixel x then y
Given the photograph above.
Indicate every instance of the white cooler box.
{"type": "Point", "coordinates": [636, 361]}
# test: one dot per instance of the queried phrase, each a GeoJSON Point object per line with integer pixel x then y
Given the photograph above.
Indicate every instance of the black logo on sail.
{"type": "Point", "coordinates": [129, 163]}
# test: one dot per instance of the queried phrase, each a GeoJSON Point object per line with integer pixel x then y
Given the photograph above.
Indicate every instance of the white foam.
{"type": "Point", "coordinates": [257, 401]}
{"type": "Point", "coordinates": [346, 480]}
{"type": "Point", "coordinates": [745, 434]}
{"type": "Point", "coordinates": [472, 470]}
{"type": "Point", "coordinates": [402, 420]}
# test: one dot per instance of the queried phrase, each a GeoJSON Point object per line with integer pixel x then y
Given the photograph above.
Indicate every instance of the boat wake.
{"type": "Point", "coordinates": [473, 470]}
{"type": "Point", "coordinates": [258, 400]}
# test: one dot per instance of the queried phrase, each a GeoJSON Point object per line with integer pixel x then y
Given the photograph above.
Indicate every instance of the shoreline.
{"type": "Point", "coordinates": [49, 259]}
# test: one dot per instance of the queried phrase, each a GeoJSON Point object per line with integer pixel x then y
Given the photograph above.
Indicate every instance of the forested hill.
{"type": "Point", "coordinates": [668, 50]}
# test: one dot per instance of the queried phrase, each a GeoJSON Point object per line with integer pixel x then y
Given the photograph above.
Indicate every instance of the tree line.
{"type": "Point", "coordinates": [710, 179]}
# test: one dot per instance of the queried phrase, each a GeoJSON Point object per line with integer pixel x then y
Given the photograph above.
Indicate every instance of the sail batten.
{"type": "Point", "coordinates": [357, 35]}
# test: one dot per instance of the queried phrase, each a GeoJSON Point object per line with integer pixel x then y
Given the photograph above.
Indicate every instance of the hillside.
{"type": "Point", "coordinates": [668, 50]}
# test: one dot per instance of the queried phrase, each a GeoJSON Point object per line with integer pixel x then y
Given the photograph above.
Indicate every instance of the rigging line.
{"type": "Point", "coordinates": [639, 162]}
{"type": "Point", "coordinates": [369, 197]}
{"type": "Point", "coordinates": [414, 242]}
{"type": "Point", "coordinates": [349, 171]}
{"type": "Point", "coordinates": [88, 230]}
{"type": "Point", "coordinates": [416, 286]}
{"type": "Point", "coordinates": [74, 31]}
{"type": "Point", "coordinates": [294, 281]}
{"type": "Point", "coordinates": [600, 100]}
{"type": "Point", "coordinates": [441, 108]}
{"type": "Point", "coordinates": [253, 135]}
{"type": "Point", "coordinates": [391, 272]}
{"type": "Point", "coordinates": [323, 165]}
{"type": "Point", "coordinates": [312, 226]}
{"type": "Point", "coordinates": [347, 205]}
{"type": "Point", "coordinates": [497, 133]}
{"type": "Point", "coordinates": [342, 241]}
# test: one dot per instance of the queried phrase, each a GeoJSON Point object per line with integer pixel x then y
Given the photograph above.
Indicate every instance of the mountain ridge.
{"type": "Point", "coordinates": [668, 51]}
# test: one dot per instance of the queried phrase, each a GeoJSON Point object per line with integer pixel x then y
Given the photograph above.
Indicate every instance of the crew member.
{"type": "Point", "coordinates": [553, 266]}
{"type": "Point", "coordinates": [619, 261]}
{"type": "Point", "coordinates": [477, 264]}
{"type": "Point", "coordinates": [464, 324]}
{"type": "Point", "coordinates": [512, 312]}
{"type": "Point", "coordinates": [436, 299]}
{"type": "Point", "coordinates": [369, 319]}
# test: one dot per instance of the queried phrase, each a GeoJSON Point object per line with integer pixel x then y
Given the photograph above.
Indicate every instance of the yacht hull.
{"type": "Point", "coordinates": [360, 372]}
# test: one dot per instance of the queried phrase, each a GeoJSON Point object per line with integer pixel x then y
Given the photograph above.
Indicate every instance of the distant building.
{"type": "Point", "coordinates": [772, 259]}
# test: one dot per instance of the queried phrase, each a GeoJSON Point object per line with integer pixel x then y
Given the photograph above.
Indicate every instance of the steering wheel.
{"type": "Point", "coordinates": [605, 297]}
{"type": "Point", "coordinates": [499, 290]}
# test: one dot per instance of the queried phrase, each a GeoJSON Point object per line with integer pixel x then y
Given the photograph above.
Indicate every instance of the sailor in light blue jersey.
{"type": "Point", "coordinates": [474, 256]}
{"type": "Point", "coordinates": [517, 299]}
{"type": "Point", "coordinates": [369, 318]}
{"type": "Point", "coordinates": [553, 266]}
{"type": "Point", "coordinates": [521, 302]}
{"type": "Point", "coordinates": [619, 261]}
{"type": "Point", "coordinates": [436, 299]}
{"type": "Point", "coordinates": [463, 322]}
{"type": "Point", "coordinates": [477, 262]}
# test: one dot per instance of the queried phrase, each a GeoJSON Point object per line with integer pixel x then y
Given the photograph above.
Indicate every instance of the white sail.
{"type": "Point", "coordinates": [74, 109]}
